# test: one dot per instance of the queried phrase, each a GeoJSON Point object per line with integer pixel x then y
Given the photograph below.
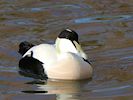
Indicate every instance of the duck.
{"type": "Point", "coordinates": [64, 60]}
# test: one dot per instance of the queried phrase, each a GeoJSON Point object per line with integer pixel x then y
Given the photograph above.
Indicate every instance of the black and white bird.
{"type": "Point", "coordinates": [64, 60]}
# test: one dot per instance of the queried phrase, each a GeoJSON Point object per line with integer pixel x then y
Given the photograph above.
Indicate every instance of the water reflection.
{"type": "Point", "coordinates": [64, 90]}
{"type": "Point", "coordinates": [57, 6]}
{"type": "Point", "coordinates": [79, 90]}
{"type": "Point", "coordinates": [102, 19]}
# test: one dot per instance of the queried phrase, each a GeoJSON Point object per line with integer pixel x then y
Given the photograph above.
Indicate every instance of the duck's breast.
{"type": "Point", "coordinates": [70, 67]}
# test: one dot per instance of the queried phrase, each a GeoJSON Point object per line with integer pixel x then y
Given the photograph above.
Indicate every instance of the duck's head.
{"type": "Point", "coordinates": [67, 41]}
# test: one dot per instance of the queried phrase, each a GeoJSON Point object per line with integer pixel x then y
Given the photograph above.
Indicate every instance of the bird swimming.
{"type": "Point", "coordinates": [63, 60]}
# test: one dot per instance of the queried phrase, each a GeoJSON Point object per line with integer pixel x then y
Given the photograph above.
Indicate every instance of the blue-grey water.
{"type": "Point", "coordinates": [105, 28]}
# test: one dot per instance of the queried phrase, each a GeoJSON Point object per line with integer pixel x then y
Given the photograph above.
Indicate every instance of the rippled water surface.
{"type": "Point", "coordinates": [105, 29]}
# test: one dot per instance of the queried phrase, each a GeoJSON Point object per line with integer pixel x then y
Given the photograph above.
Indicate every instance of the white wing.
{"type": "Point", "coordinates": [45, 53]}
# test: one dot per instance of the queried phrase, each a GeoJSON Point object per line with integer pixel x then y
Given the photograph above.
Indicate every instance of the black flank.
{"type": "Point", "coordinates": [32, 67]}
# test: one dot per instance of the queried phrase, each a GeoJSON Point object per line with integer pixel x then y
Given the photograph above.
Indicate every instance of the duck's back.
{"type": "Point", "coordinates": [45, 53]}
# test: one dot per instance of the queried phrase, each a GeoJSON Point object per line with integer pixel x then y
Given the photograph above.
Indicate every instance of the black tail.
{"type": "Point", "coordinates": [24, 47]}
{"type": "Point", "coordinates": [32, 67]}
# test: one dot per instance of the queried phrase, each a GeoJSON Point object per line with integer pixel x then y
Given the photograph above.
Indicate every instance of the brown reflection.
{"type": "Point", "coordinates": [59, 87]}
{"type": "Point", "coordinates": [64, 90]}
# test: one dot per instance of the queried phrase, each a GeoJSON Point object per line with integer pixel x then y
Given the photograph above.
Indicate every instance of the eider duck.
{"type": "Point", "coordinates": [64, 60]}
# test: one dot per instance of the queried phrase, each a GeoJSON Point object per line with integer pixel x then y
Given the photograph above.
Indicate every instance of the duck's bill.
{"type": "Point", "coordinates": [80, 50]}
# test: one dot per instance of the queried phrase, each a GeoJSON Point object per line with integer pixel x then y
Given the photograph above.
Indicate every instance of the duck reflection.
{"type": "Point", "coordinates": [64, 90]}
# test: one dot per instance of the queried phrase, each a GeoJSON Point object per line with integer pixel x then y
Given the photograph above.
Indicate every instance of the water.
{"type": "Point", "coordinates": [106, 34]}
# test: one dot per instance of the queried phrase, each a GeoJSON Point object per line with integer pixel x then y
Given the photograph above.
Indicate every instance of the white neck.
{"type": "Point", "coordinates": [65, 45]}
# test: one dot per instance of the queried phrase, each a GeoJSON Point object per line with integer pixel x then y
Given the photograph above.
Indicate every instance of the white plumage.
{"type": "Point", "coordinates": [64, 60]}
